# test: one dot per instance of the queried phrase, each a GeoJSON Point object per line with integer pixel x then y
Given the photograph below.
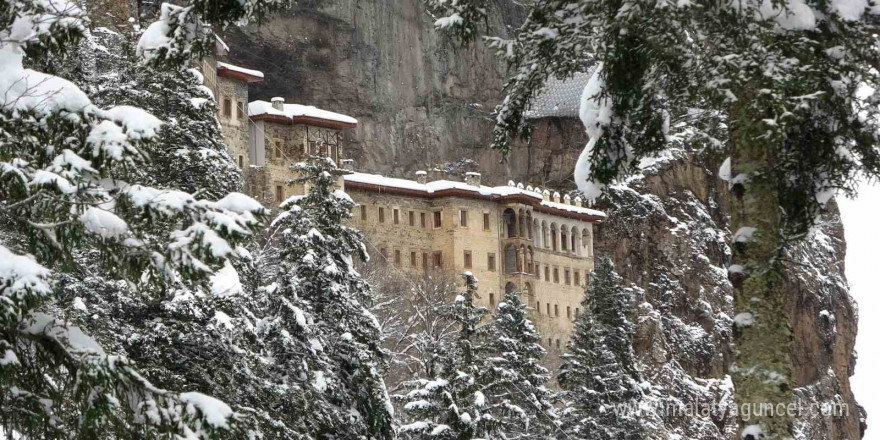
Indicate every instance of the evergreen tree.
{"type": "Point", "coordinates": [188, 151]}
{"type": "Point", "coordinates": [599, 375]}
{"type": "Point", "coordinates": [519, 401]}
{"type": "Point", "coordinates": [778, 87]}
{"type": "Point", "coordinates": [453, 405]}
{"type": "Point", "coordinates": [332, 340]}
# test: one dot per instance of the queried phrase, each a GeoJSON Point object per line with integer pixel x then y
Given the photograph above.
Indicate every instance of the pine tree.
{"type": "Point", "coordinates": [69, 185]}
{"type": "Point", "coordinates": [453, 405]}
{"type": "Point", "coordinates": [188, 152]}
{"type": "Point", "coordinates": [599, 374]}
{"type": "Point", "coordinates": [515, 378]}
{"type": "Point", "coordinates": [323, 301]}
{"type": "Point", "coordinates": [777, 87]}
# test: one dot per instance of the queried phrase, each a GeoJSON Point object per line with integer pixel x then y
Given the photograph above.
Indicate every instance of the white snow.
{"type": "Point", "coordinates": [724, 171]}
{"type": "Point", "coordinates": [215, 412]}
{"type": "Point", "coordinates": [257, 108]}
{"type": "Point", "coordinates": [744, 234]}
{"type": "Point", "coordinates": [752, 430]}
{"type": "Point", "coordinates": [320, 382]}
{"type": "Point", "coordinates": [225, 282]}
{"type": "Point", "coordinates": [9, 358]}
{"type": "Point", "coordinates": [238, 202]}
{"type": "Point", "coordinates": [235, 68]}
{"type": "Point", "coordinates": [137, 122]}
{"type": "Point", "coordinates": [103, 223]}
{"type": "Point", "coordinates": [595, 114]}
{"type": "Point", "coordinates": [744, 319]}
{"type": "Point", "coordinates": [482, 190]}
{"type": "Point", "coordinates": [452, 20]}
{"type": "Point", "coordinates": [80, 305]}
{"type": "Point", "coordinates": [19, 273]}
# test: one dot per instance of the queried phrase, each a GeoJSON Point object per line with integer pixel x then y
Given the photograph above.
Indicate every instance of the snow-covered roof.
{"type": "Point", "coordinates": [233, 71]}
{"type": "Point", "coordinates": [559, 98]}
{"type": "Point", "coordinates": [300, 113]}
{"type": "Point", "coordinates": [440, 188]}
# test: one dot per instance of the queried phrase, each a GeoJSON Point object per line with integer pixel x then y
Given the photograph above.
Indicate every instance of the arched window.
{"type": "Point", "coordinates": [564, 238]}
{"type": "Point", "coordinates": [521, 224]}
{"type": "Point", "coordinates": [509, 288]}
{"type": "Point", "coordinates": [587, 242]}
{"type": "Point", "coordinates": [529, 294]}
{"type": "Point", "coordinates": [510, 222]}
{"type": "Point", "coordinates": [510, 259]}
{"type": "Point", "coordinates": [545, 240]}
{"type": "Point", "coordinates": [529, 224]}
{"type": "Point", "coordinates": [553, 236]}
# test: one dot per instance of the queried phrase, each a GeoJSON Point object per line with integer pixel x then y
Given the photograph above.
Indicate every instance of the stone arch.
{"type": "Point", "coordinates": [528, 222]}
{"type": "Point", "coordinates": [587, 243]}
{"type": "Point", "coordinates": [536, 227]}
{"type": "Point", "coordinates": [554, 237]}
{"type": "Point", "coordinates": [520, 223]}
{"type": "Point", "coordinates": [544, 235]}
{"type": "Point", "coordinates": [509, 287]}
{"type": "Point", "coordinates": [563, 234]}
{"type": "Point", "coordinates": [510, 222]}
{"type": "Point", "coordinates": [510, 259]}
{"type": "Point", "coordinates": [575, 241]}
{"type": "Point", "coordinates": [529, 294]}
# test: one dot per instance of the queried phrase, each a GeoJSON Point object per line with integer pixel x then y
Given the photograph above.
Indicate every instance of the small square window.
{"type": "Point", "coordinates": [490, 262]}
{"type": "Point", "coordinates": [468, 260]}
{"type": "Point", "coordinates": [381, 215]}
{"type": "Point", "coordinates": [438, 219]}
{"type": "Point", "coordinates": [486, 223]}
{"type": "Point", "coordinates": [462, 218]}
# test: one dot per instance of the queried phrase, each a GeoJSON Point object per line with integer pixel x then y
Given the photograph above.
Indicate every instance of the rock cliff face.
{"type": "Point", "coordinates": [667, 232]}
{"type": "Point", "coordinates": [424, 103]}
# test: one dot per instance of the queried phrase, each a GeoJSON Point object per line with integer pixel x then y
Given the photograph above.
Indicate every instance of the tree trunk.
{"type": "Point", "coordinates": [762, 370]}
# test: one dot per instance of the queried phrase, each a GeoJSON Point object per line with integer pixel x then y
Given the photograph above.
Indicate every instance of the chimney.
{"type": "Point", "coordinates": [546, 194]}
{"type": "Point", "coordinates": [422, 176]}
{"type": "Point", "coordinates": [567, 199]}
{"type": "Point", "coordinates": [348, 164]}
{"type": "Point", "coordinates": [278, 103]}
{"type": "Point", "coordinates": [472, 178]}
{"type": "Point", "coordinates": [579, 202]}
{"type": "Point", "coordinates": [556, 196]}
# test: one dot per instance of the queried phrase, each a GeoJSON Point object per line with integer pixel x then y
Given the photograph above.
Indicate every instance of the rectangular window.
{"type": "Point", "coordinates": [577, 278]}
{"type": "Point", "coordinates": [468, 261]}
{"type": "Point", "coordinates": [240, 109]}
{"type": "Point", "coordinates": [241, 161]}
{"type": "Point", "coordinates": [364, 213]}
{"type": "Point", "coordinates": [490, 262]}
{"type": "Point", "coordinates": [556, 310]}
{"type": "Point", "coordinates": [567, 277]}
{"type": "Point", "coordinates": [412, 218]}
{"type": "Point", "coordinates": [381, 215]}
{"type": "Point", "coordinates": [438, 259]}
{"type": "Point", "coordinates": [577, 312]}
{"type": "Point", "coordinates": [557, 343]}
{"type": "Point", "coordinates": [412, 259]}
{"type": "Point", "coordinates": [423, 217]}
{"type": "Point", "coordinates": [278, 149]}
{"type": "Point", "coordinates": [396, 215]}
{"type": "Point", "coordinates": [438, 219]}
{"type": "Point", "coordinates": [425, 260]}
{"type": "Point", "coordinates": [279, 194]}
{"type": "Point", "coordinates": [462, 218]}
{"type": "Point", "coordinates": [538, 307]}
{"type": "Point", "coordinates": [397, 257]}
{"type": "Point", "coordinates": [492, 299]}
{"type": "Point", "coordinates": [568, 312]}
{"type": "Point", "coordinates": [548, 309]}
{"type": "Point", "coordinates": [556, 275]}
{"type": "Point", "coordinates": [546, 273]}
{"type": "Point", "coordinates": [384, 253]}
{"type": "Point", "coordinates": [486, 224]}
{"type": "Point", "coordinates": [227, 107]}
